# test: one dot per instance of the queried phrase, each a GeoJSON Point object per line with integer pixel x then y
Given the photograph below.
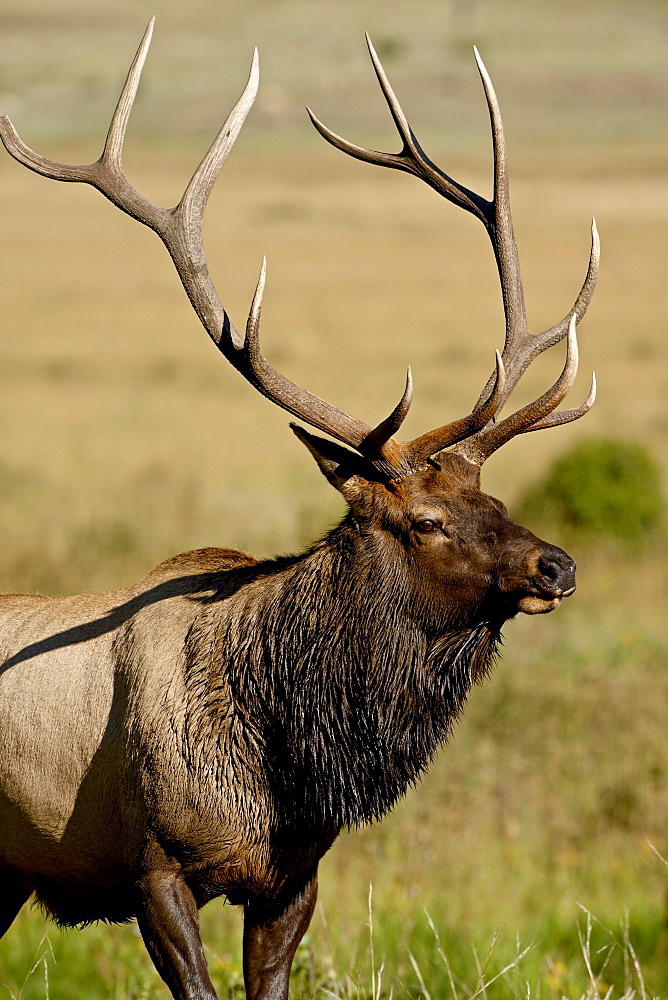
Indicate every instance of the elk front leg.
{"type": "Point", "coordinates": [271, 937]}
{"type": "Point", "coordinates": [169, 924]}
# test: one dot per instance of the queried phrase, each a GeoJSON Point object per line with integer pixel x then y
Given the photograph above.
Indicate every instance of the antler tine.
{"type": "Point", "coordinates": [501, 233]}
{"type": "Point", "coordinates": [381, 434]}
{"type": "Point", "coordinates": [434, 441]}
{"type": "Point", "coordinates": [412, 158]}
{"type": "Point", "coordinates": [190, 212]}
{"type": "Point", "coordinates": [359, 152]}
{"type": "Point", "coordinates": [530, 346]}
{"type": "Point", "coordinates": [566, 416]}
{"type": "Point", "coordinates": [534, 416]}
{"type": "Point", "coordinates": [112, 154]}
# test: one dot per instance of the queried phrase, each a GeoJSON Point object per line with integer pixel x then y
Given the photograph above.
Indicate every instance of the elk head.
{"type": "Point", "coordinates": [422, 496]}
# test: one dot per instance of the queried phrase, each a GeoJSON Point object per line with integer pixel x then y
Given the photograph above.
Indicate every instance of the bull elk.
{"type": "Point", "coordinates": [210, 730]}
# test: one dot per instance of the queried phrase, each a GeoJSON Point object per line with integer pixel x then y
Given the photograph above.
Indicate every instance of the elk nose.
{"type": "Point", "coordinates": [557, 570]}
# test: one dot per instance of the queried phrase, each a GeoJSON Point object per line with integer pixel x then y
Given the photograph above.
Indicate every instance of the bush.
{"type": "Point", "coordinates": [601, 489]}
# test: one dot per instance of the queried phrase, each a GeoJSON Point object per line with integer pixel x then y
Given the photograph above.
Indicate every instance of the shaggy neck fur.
{"type": "Point", "coordinates": [340, 689]}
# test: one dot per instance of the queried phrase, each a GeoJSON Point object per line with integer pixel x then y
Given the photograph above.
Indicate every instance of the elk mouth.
{"type": "Point", "coordinates": [533, 604]}
{"type": "Point", "coordinates": [543, 599]}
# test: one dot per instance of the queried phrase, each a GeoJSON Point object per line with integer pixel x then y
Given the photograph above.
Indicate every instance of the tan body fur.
{"type": "Point", "coordinates": [93, 734]}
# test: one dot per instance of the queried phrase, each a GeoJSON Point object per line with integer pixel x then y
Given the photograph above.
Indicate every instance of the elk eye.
{"type": "Point", "coordinates": [427, 526]}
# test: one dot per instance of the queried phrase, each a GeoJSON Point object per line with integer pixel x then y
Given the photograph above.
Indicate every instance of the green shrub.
{"type": "Point", "coordinates": [601, 489]}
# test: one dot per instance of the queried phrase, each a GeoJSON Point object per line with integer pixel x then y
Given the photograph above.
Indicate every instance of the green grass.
{"type": "Point", "coordinates": [126, 438]}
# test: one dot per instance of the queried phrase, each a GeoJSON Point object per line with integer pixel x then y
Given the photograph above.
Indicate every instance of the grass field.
{"type": "Point", "coordinates": [126, 438]}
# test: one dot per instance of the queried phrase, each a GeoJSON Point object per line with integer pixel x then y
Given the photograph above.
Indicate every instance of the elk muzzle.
{"type": "Point", "coordinates": [540, 579]}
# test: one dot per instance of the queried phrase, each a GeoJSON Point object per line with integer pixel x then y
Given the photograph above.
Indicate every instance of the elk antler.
{"type": "Point", "coordinates": [520, 346]}
{"type": "Point", "coordinates": [180, 229]}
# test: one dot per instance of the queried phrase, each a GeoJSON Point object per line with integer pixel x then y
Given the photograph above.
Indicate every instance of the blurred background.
{"type": "Point", "coordinates": [127, 438]}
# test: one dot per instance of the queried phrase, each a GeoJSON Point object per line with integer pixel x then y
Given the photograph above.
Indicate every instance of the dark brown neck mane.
{"type": "Point", "coordinates": [332, 683]}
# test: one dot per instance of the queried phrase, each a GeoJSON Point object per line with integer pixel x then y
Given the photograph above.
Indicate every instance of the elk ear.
{"type": "Point", "coordinates": [345, 470]}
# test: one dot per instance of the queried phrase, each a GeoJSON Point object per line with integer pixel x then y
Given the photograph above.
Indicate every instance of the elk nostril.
{"type": "Point", "coordinates": [549, 569]}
